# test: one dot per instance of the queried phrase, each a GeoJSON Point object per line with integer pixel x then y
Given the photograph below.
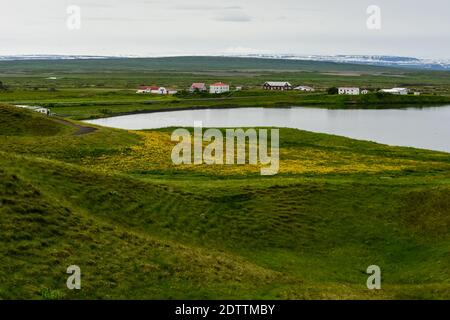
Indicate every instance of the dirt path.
{"type": "Point", "coordinates": [81, 129]}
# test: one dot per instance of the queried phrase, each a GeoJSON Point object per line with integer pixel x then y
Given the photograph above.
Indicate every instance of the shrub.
{"type": "Point", "coordinates": [105, 111]}
{"type": "Point", "coordinates": [333, 90]}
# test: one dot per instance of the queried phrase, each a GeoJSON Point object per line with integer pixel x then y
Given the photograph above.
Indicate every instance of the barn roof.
{"type": "Point", "coordinates": [278, 83]}
{"type": "Point", "coordinates": [198, 85]}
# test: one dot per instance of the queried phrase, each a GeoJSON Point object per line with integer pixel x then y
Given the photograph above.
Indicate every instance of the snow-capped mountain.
{"type": "Point", "coordinates": [392, 61]}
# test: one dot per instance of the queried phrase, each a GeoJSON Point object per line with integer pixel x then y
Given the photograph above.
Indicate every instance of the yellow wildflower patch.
{"type": "Point", "coordinates": [154, 154]}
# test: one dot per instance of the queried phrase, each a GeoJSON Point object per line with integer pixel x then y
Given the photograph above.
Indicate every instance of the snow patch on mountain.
{"type": "Point", "coordinates": [376, 60]}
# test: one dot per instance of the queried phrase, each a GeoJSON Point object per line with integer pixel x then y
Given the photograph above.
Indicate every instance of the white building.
{"type": "Point", "coordinates": [143, 89]}
{"type": "Point", "coordinates": [161, 90]}
{"type": "Point", "coordinates": [155, 90]}
{"type": "Point", "coordinates": [398, 91]}
{"type": "Point", "coordinates": [219, 88]}
{"type": "Point", "coordinates": [305, 89]}
{"type": "Point", "coordinates": [365, 91]}
{"type": "Point", "coordinates": [349, 91]}
{"type": "Point", "coordinates": [42, 110]}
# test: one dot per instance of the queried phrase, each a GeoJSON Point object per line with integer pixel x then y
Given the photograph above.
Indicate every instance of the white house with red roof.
{"type": "Point", "coordinates": [219, 87]}
{"type": "Point", "coordinates": [198, 87]}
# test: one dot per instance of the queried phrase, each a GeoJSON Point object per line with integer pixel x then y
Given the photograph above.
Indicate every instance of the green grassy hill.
{"type": "Point", "coordinates": [20, 122]}
{"type": "Point", "coordinates": [111, 202]}
{"type": "Point", "coordinates": [42, 233]}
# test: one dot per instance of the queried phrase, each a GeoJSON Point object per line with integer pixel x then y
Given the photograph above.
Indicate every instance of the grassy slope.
{"type": "Point", "coordinates": [22, 123]}
{"type": "Point", "coordinates": [195, 234]}
{"type": "Point", "coordinates": [43, 233]}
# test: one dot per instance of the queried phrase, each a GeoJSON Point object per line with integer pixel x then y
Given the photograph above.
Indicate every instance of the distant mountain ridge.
{"type": "Point", "coordinates": [51, 57]}
{"type": "Point", "coordinates": [373, 60]}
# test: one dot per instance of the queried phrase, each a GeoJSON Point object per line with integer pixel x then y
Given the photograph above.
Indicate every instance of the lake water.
{"type": "Point", "coordinates": [427, 128]}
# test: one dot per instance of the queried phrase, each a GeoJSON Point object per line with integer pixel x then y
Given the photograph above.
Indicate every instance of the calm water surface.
{"type": "Point", "coordinates": [427, 128]}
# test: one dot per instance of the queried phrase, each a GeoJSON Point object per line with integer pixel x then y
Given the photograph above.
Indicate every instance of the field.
{"type": "Point", "coordinates": [85, 89]}
{"type": "Point", "coordinates": [112, 202]}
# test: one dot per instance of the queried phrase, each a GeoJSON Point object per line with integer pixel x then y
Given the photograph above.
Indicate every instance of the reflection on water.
{"type": "Point", "coordinates": [427, 128]}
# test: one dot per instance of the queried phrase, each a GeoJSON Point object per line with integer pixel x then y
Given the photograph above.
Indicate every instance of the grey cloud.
{"type": "Point", "coordinates": [237, 16]}
{"type": "Point", "coordinates": [122, 19]}
{"type": "Point", "coordinates": [206, 7]}
{"type": "Point", "coordinates": [197, 26]}
{"type": "Point", "coordinates": [99, 6]}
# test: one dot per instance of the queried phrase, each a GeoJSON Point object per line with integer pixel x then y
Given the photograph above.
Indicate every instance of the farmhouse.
{"type": "Point", "coordinates": [305, 88]}
{"type": "Point", "coordinates": [349, 91]}
{"type": "Point", "coordinates": [277, 85]}
{"type": "Point", "coordinates": [198, 87]}
{"type": "Point", "coordinates": [219, 88]}
{"type": "Point", "coordinates": [364, 91]}
{"type": "Point", "coordinates": [398, 91]}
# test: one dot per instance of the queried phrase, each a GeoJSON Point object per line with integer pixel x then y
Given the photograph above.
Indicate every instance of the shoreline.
{"type": "Point", "coordinates": [281, 106]}
{"type": "Point", "coordinates": [276, 118]}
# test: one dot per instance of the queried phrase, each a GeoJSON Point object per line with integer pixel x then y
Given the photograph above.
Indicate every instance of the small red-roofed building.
{"type": "Point", "coordinates": [197, 87]}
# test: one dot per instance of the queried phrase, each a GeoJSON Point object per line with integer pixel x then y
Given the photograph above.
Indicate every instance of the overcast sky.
{"type": "Point", "coordinates": [176, 27]}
